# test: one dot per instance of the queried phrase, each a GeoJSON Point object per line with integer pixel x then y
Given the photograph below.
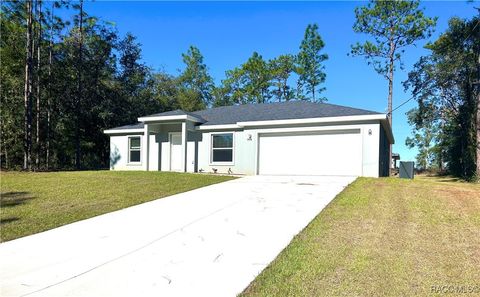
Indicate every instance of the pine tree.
{"type": "Point", "coordinates": [310, 64]}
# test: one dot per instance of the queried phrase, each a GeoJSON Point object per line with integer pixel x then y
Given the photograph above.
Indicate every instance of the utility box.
{"type": "Point", "coordinates": [407, 169]}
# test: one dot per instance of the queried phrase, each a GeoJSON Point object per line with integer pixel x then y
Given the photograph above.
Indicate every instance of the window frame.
{"type": "Point", "coordinates": [212, 149]}
{"type": "Point", "coordinates": [139, 149]}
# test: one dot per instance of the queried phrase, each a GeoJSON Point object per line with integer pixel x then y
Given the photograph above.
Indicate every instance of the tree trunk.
{"type": "Point", "coordinates": [50, 46]}
{"type": "Point", "coordinates": [390, 95]}
{"type": "Point", "coordinates": [313, 93]}
{"type": "Point", "coordinates": [389, 113]}
{"type": "Point", "coordinates": [39, 38]}
{"type": "Point", "coordinates": [6, 158]}
{"type": "Point", "coordinates": [478, 117]}
{"type": "Point", "coordinates": [27, 145]}
{"type": "Point", "coordinates": [80, 90]}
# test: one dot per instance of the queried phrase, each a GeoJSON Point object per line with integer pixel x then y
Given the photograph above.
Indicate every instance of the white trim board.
{"type": "Point", "coordinates": [124, 131]}
{"type": "Point", "coordinates": [314, 120]}
{"type": "Point", "coordinates": [169, 118]}
{"type": "Point", "coordinates": [218, 127]}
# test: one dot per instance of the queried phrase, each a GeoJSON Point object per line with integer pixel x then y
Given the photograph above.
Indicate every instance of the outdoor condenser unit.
{"type": "Point", "coordinates": [407, 169]}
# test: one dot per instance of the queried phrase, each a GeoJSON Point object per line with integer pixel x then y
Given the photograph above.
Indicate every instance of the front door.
{"type": "Point", "coordinates": [176, 163]}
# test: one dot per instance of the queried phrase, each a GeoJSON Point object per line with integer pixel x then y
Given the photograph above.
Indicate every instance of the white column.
{"type": "Point", "coordinates": [146, 146]}
{"type": "Point", "coordinates": [184, 146]}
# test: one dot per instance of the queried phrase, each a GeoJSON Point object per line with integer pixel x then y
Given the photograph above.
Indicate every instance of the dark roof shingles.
{"type": "Point", "coordinates": [276, 111]}
{"type": "Point", "coordinates": [264, 112]}
{"type": "Point", "coordinates": [131, 126]}
{"type": "Point", "coordinates": [174, 113]}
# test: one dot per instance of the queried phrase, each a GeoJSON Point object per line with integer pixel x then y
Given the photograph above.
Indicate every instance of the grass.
{"type": "Point", "coordinates": [384, 237]}
{"type": "Point", "coordinates": [35, 202]}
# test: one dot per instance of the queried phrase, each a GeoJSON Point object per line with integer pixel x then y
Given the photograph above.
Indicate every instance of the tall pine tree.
{"type": "Point", "coordinates": [310, 68]}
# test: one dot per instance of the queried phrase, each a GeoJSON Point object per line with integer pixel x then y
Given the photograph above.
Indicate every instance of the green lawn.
{"type": "Point", "coordinates": [384, 237]}
{"type": "Point", "coordinates": [35, 202]}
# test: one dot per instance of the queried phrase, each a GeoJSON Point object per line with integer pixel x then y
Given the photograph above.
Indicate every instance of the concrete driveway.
{"type": "Point", "coordinates": [211, 241]}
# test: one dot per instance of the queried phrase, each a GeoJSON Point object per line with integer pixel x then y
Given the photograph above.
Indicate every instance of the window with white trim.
{"type": "Point", "coordinates": [134, 149]}
{"type": "Point", "coordinates": [222, 148]}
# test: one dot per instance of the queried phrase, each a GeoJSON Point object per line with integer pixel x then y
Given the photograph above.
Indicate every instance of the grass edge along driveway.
{"type": "Point", "coordinates": [384, 237]}
{"type": "Point", "coordinates": [36, 202]}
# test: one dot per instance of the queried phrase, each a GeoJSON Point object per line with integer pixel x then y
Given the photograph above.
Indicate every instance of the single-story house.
{"type": "Point", "coordinates": [289, 138]}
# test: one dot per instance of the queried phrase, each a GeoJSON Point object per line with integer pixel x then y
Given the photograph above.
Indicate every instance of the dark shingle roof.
{"type": "Point", "coordinates": [132, 126]}
{"type": "Point", "coordinates": [264, 112]}
{"type": "Point", "coordinates": [173, 113]}
{"type": "Point", "coordinates": [276, 111]}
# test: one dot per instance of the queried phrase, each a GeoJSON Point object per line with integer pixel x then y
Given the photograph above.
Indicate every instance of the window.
{"type": "Point", "coordinates": [222, 148]}
{"type": "Point", "coordinates": [134, 146]}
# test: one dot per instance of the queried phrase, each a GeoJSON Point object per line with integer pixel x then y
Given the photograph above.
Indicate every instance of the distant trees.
{"type": "Point", "coordinates": [260, 81]}
{"type": "Point", "coordinates": [65, 80]}
{"type": "Point", "coordinates": [195, 82]}
{"type": "Point", "coordinates": [445, 85]}
{"type": "Point", "coordinates": [281, 69]}
{"type": "Point", "coordinates": [64, 83]}
{"type": "Point", "coordinates": [424, 137]}
{"type": "Point", "coordinates": [250, 83]}
{"type": "Point", "coordinates": [393, 25]}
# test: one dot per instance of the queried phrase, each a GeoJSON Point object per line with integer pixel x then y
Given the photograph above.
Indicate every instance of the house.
{"type": "Point", "coordinates": [292, 138]}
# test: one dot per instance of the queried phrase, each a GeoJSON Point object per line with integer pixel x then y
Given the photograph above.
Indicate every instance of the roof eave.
{"type": "Point", "coordinates": [150, 119]}
{"type": "Point", "coordinates": [124, 131]}
{"type": "Point", "coordinates": [218, 127]}
{"type": "Point", "coordinates": [314, 120]}
{"type": "Point", "coordinates": [371, 117]}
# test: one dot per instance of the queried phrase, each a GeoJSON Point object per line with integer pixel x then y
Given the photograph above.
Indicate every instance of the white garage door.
{"type": "Point", "coordinates": [314, 153]}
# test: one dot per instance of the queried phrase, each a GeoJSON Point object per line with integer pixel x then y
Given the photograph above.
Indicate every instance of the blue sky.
{"type": "Point", "coordinates": [227, 33]}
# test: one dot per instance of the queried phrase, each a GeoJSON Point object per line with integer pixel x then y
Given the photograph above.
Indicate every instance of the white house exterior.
{"type": "Point", "coordinates": [291, 138]}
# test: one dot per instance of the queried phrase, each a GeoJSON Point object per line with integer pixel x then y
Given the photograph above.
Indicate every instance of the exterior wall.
{"type": "Point", "coordinates": [374, 148]}
{"type": "Point", "coordinates": [154, 153]}
{"type": "Point", "coordinates": [244, 153]}
{"type": "Point", "coordinates": [119, 153]}
{"type": "Point", "coordinates": [384, 155]}
{"type": "Point", "coordinates": [371, 136]}
{"type": "Point", "coordinates": [246, 146]}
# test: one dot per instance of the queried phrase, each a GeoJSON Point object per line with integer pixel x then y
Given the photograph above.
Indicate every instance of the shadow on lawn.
{"type": "Point", "coordinates": [450, 180]}
{"type": "Point", "coordinates": [8, 220]}
{"type": "Point", "coordinates": [12, 199]}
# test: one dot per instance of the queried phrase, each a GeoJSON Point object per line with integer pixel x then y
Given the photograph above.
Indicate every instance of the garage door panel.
{"type": "Point", "coordinates": [313, 153]}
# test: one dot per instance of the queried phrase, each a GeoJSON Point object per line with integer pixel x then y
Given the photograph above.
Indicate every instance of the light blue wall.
{"type": "Point", "coordinates": [245, 147]}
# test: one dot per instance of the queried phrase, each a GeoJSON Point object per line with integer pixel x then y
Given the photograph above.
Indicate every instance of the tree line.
{"type": "Point", "coordinates": [446, 85]}
{"type": "Point", "coordinates": [63, 82]}
{"type": "Point", "coordinates": [66, 80]}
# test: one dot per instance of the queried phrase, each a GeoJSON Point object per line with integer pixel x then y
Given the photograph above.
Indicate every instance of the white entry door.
{"type": "Point", "coordinates": [176, 159]}
{"type": "Point", "coordinates": [311, 153]}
